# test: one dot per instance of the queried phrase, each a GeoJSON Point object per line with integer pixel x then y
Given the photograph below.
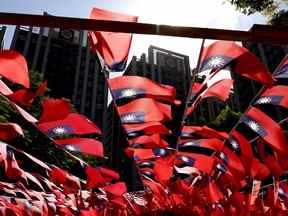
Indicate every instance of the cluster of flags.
{"type": "Point", "coordinates": [210, 172]}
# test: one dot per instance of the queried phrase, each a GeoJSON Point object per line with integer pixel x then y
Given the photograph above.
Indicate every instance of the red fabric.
{"type": "Point", "coordinates": [142, 154]}
{"type": "Point", "coordinates": [94, 177]}
{"type": "Point", "coordinates": [163, 170]}
{"type": "Point", "coordinates": [54, 109]}
{"type": "Point", "coordinates": [152, 111]}
{"type": "Point", "coordinates": [202, 162]}
{"type": "Point", "coordinates": [246, 64]}
{"type": "Point", "coordinates": [275, 136]}
{"type": "Point", "coordinates": [109, 174]}
{"type": "Point", "coordinates": [205, 132]}
{"type": "Point", "coordinates": [78, 123]}
{"type": "Point", "coordinates": [150, 88]}
{"type": "Point", "coordinates": [220, 90]}
{"type": "Point", "coordinates": [212, 143]}
{"type": "Point", "coordinates": [246, 153]}
{"type": "Point", "coordinates": [9, 131]}
{"type": "Point", "coordinates": [83, 145]}
{"type": "Point", "coordinates": [258, 170]}
{"type": "Point", "coordinates": [14, 67]}
{"type": "Point", "coordinates": [147, 128]}
{"type": "Point", "coordinates": [214, 194]}
{"type": "Point", "coordinates": [152, 141]}
{"type": "Point", "coordinates": [117, 189]}
{"type": "Point", "coordinates": [58, 175]}
{"type": "Point", "coordinates": [112, 46]}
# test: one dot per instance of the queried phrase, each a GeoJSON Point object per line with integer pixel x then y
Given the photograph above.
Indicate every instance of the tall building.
{"type": "Point", "coordinates": [65, 60]}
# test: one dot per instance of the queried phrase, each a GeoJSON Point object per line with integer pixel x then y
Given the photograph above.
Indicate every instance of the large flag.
{"type": "Point", "coordinates": [73, 124]}
{"type": "Point", "coordinates": [276, 95]}
{"type": "Point", "coordinates": [112, 46]}
{"type": "Point", "coordinates": [83, 145]}
{"type": "Point", "coordinates": [14, 67]}
{"type": "Point", "coordinates": [129, 87]}
{"type": "Point", "coordinates": [265, 127]}
{"type": "Point", "coordinates": [222, 54]}
{"type": "Point", "coordinates": [144, 110]}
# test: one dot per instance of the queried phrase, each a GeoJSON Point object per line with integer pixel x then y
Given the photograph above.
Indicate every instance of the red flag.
{"type": "Point", "coordinates": [54, 109]}
{"type": "Point", "coordinates": [163, 170]}
{"type": "Point", "coordinates": [194, 145]}
{"type": "Point", "coordinates": [112, 46]}
{"type": "Point", "coordinates": [73, 124]}
{"type": "Point", "coordinates": [94, 177]}
{"type": "Point", "coordinates": [221, 53]}
{"type": "Point", "coordinates": [124, 87]}
{"type": "Point", "coordinates": [220, 90]}
{"type": "Point", "coordinates": [109, 174]}
{"type": "Point", "coordinates": [276, 95]}
{"type": "Point", "coordinates": [202, 131]}
{"type": "Point", "coordinates": [241, 147]}
{"type": "Point", "coordinates": [9, 131]}
{"type": "Point", "coordinates": [147, 128]}
{"type": "Point", "coordinates": [144, 110]}
{"type": "Point", "coordinates": [265, 127]}
{"type": "Point", "coordinates": [152, 141]}
{"type": "Point", "coordinates": [117, 189]}
{"type": "Point", "coordinates": [83, 145]}
{"type": "Point", "coordinates": [258, 170]}
{"type": "Point", "coordinates": [202, 162]}
{"type": "Point", "coordinates": [14, 67]}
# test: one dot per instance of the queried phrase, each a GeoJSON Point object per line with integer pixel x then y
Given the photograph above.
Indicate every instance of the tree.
{"type": "Point", "coordinates": [268, 8]}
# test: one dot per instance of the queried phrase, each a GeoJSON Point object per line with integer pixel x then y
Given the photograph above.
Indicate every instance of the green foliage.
{"type": "Point", "coordinates": [226, 119]}
{"type": "Point", "coordinates": [249, 7]}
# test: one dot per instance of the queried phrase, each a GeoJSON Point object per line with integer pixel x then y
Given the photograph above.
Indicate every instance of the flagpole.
{"type": "Point", "coordinates": [190, 91]}
{"type": "Point", "coordinates": [255, 97]}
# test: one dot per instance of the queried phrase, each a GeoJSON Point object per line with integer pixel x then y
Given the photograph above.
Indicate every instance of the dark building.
{"type": "Point", "coordinates": [65, 60]}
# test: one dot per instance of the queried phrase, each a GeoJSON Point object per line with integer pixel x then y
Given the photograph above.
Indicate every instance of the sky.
{"type": "Point", "coordinates": [193, 13]}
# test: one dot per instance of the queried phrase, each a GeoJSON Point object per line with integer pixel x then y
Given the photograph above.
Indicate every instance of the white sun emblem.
{"type": "Point", "coordinates": [254, 126]}
{"type": "Point", "coordinates": [216, 62]}
{"type": "Point", "coordinates": [264, 100]}
{"type": "Point", "coordinates": [128, 117]}
{"type": "Point", "coordinates": [234, 144]}
{"type": "Point", "coordinates": [128, 92]}
{"type": "Point", "coordinates": [59, 130]}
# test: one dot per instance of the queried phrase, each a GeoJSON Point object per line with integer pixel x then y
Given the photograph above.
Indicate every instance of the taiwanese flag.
{"type": "Point", "coordinates": [129, 87]}
{"type": "Point", "coordinates": [220, 90]}
{"type": "Point", "coordinates": [14, 67]}
{"type": "Point", "coordinates": [241, 146]}
{"type": "Point", "coordinates": [221, 54]}
{"type": "Point", "coordinates": [54, 109]}
{"type": "Point", "coordinates": [83, 145]}
{"type": "Point", "coordinates": [143, 154]}
{"type": "Point", "coordinates": [202, 131]}
{"type": "Point", "coordinates": [196, 87]}
{"type": "Point", "coordinates": [202, 144]}
{"type": "Point", "coordinates": [112, 46]}
{"type": "Point", "coordinates": [117, 189]}
{"type": "Point", "coordinates": [276, 95]}
{"type": "Point", "coordinates": [265, 127]}
{"type": "Point", "coordinates": [73, 124]}
{"type": "Point", "coordinates": [201, 162]}
{"type": "Point", "coordinates": [233, 162]}
{"type": "Point", "coordinates": [214, 193]}
{"type": "Point", "coordinates": [144, 110]}
{"type": "Point", "coordinates": [147, 128]}
{"type": "Point", "coordinates": [282, 70]}
{"type": "Point", "coordinates": [146, 141]}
